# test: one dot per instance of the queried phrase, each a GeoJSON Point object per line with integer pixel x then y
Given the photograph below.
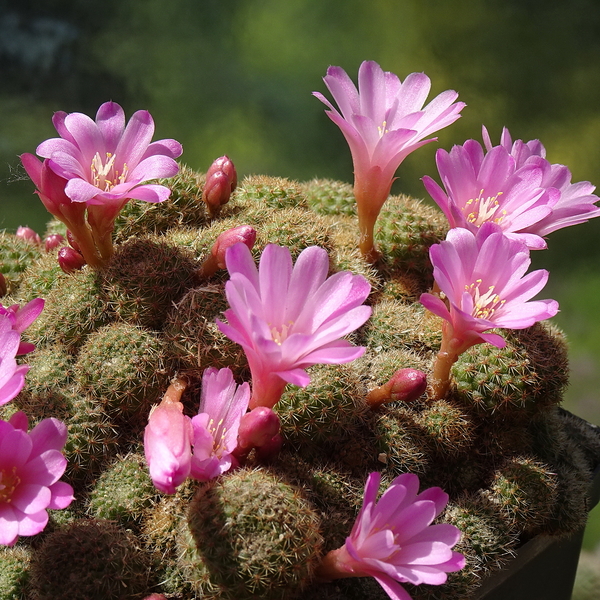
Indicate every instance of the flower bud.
{"type": "Point", "coordinates": [258, 427]}
{"type": "Point", "coordinates": [224, 164]}
{"type": "Point", "coordinates": [3, 286]}
{"type": "Point", "coordinates": [52, 241]}
{"type": "Point", "coordinates": [216, 259]}
{"type": "Point", "coordinates": [405, 385]}
{"type": "Point", "coordinates": [221, 180]}
{"type": "Point", "coordinates": [29, 235]}
{"type": "Point", "coordinates": [70, 260]}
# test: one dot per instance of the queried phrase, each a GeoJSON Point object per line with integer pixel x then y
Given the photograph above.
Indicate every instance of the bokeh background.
{"type": "Point", "coordinates": [235, 77]}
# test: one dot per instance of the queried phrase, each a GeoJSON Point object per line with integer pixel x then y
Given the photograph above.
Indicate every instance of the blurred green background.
{"type": "Point", "coordinates": [236, 76]}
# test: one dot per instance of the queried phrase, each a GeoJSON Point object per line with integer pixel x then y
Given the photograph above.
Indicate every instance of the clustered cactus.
{"type": "Point", "coordinates": [110, 340]}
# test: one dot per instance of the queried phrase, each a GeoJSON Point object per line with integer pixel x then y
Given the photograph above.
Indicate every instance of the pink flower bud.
{"type": "Point", "coordinates": [216, 259]}
{"type": "Point", "coordinates": [258, 427]}
{"type": "Point", "coordinates": [3, 285]}
{"type": "Point", "coordinates": [70, 260]}
{"type": "Point", "coordinates": [29, 235]}
{"type": "Point", "coordinates": [221, 180]}
{"type": "Point", "coordinates": [52, 241]}
{"type": "Point", "coordinates": [243, 233]}
{"type": "Point", "coordinates": [405, 385]}
{"type": "Point", "coordinates": [168, 441]}
{"type": "Point", "coordinates": [224, 164]}
{"type": "Point", "coordinates": [155, 597]}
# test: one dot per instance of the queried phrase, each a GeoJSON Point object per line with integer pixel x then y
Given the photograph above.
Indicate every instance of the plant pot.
{"type": "Point", "coordinates": [544, 568]}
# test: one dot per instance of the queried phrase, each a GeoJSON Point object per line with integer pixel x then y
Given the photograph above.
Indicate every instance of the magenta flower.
{"type": "Point", "coordinates": [222, 405]}
{"type": "Point", "coordinates": [492, 187]}
{"type": "Point", "coordinates": [483, 279]}
{"type": "Point", "coordinates": [168, 445]}
{"type": "Point", "coordinates": [290, 317]}
{"type": "Point", "coordinates": [31, 465]}
{"type": "Point", "coordinates": [393, 540]}
{"type": "Point", "coordinates": [21, 318]}
{"type": "Point", "coordinates": [12, 375]}
{"type": "Point", "coordinates": [577, 202]}
{"type": "Point", "coordinates": [383, 122]}
{"type": "Point", "coordinates": [104, 163]}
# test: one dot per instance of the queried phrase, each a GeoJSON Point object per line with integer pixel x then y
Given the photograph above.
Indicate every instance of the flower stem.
{"type": "Point", "coordinates": [440, 380]}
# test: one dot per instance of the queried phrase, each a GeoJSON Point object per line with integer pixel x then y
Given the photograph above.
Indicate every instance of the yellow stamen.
{"type": "Point", "coordinates": [484, 305]}
{"type": "Point", "coordinates": [9, 480]}
{"type": "Point", "coordinates": [104, 175]}
{"type": "Point", "coordinates": [483, 209]}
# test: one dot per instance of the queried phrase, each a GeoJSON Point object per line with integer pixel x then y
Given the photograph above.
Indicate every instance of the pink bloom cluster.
{"type": "Point", "coordinates": [393, 539]}
{"type": "Point", "coordinates": [177, 446]}
{"type": "Point", "coordinates": [99, 165]}
{"type": "Point", "coordinates": [483, 278]}
{"type": "Point", "coordinates": [383, 121]}
{"type": "Point", "coordinates": [512, 185]}
{"type": "Point", "coordinates": [31, 465]}
{"type": "Point", "coordinates": [289, 317]}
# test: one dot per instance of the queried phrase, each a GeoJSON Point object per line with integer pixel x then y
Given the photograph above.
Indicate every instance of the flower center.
{"type": "Point", "coordinates": [104, 175]}
{"type": "Point", "coordinates": [382, 129]}
{"type": "Point", "coordinates": [9, 480]}
{"type": "Point", "coordinates": [484, 305]}
{"type": "Point", "coordinates": [483, 209]}
{"type": "Point", "coordinates": [279, 334]}
{"type": "Point", "coordinates": [218, 433]}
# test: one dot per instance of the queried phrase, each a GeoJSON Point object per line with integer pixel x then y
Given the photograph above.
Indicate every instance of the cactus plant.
{"type": "Point", "coordinates": [112, 339]}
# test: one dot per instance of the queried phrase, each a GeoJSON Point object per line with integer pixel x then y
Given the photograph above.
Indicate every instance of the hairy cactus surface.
{"type": "Point", "coordinates": [110, 341]}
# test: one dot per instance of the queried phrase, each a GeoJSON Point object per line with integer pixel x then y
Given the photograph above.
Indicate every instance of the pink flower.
{"type": "Point", "coordinates": [383, 122]}
{"type": "Point", "coordinates": [100, 165]}
{"type": "Point", "coordinates": [107, 162]}
{"type": "Point", "coordinates": [289, 317]}
{"type": "Point", "coordinates": [576, 203]}
{"type": "Point", "coordinates": [167, 445]}
{"type": "Point", "coordinates": [483, 279]}
{"type": "Point", "coordinates": [393, 540]}
{"type": "Point", "coordinates": [222, 405]}
{"type": "Point", "coordinates": [493, 187]}
{"type": "Point", "coordinates": [31, 465]}
{"type": "Point", "coordinates": [177, 446]}
{"type": "Point", "coordinates": [21, 318]}
{"type": "Point", "coordinates": [12, 375]}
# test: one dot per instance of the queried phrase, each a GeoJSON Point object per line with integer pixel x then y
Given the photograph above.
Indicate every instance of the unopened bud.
{"type": "Point", "coordinates": [29, 235]}
{"type": "Point", "coordinates": [258, 427]}
{"type": "Point", "coordinates": [244, 234]}
{"type": "Point", "coordinates": [224, 164]}
{"type": "Point", "coordinates": [70, 260]}
{"type": "Point", "coordinates": [221, 180]}
{"type": "Point", "coordinates": [52, 241]}
{"type": "Point", "coordinates": [216, 259]}
{"type": "Point", "coordinates": [3, 285]}
{"type": "Point", "coordinates": [405, 385]}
